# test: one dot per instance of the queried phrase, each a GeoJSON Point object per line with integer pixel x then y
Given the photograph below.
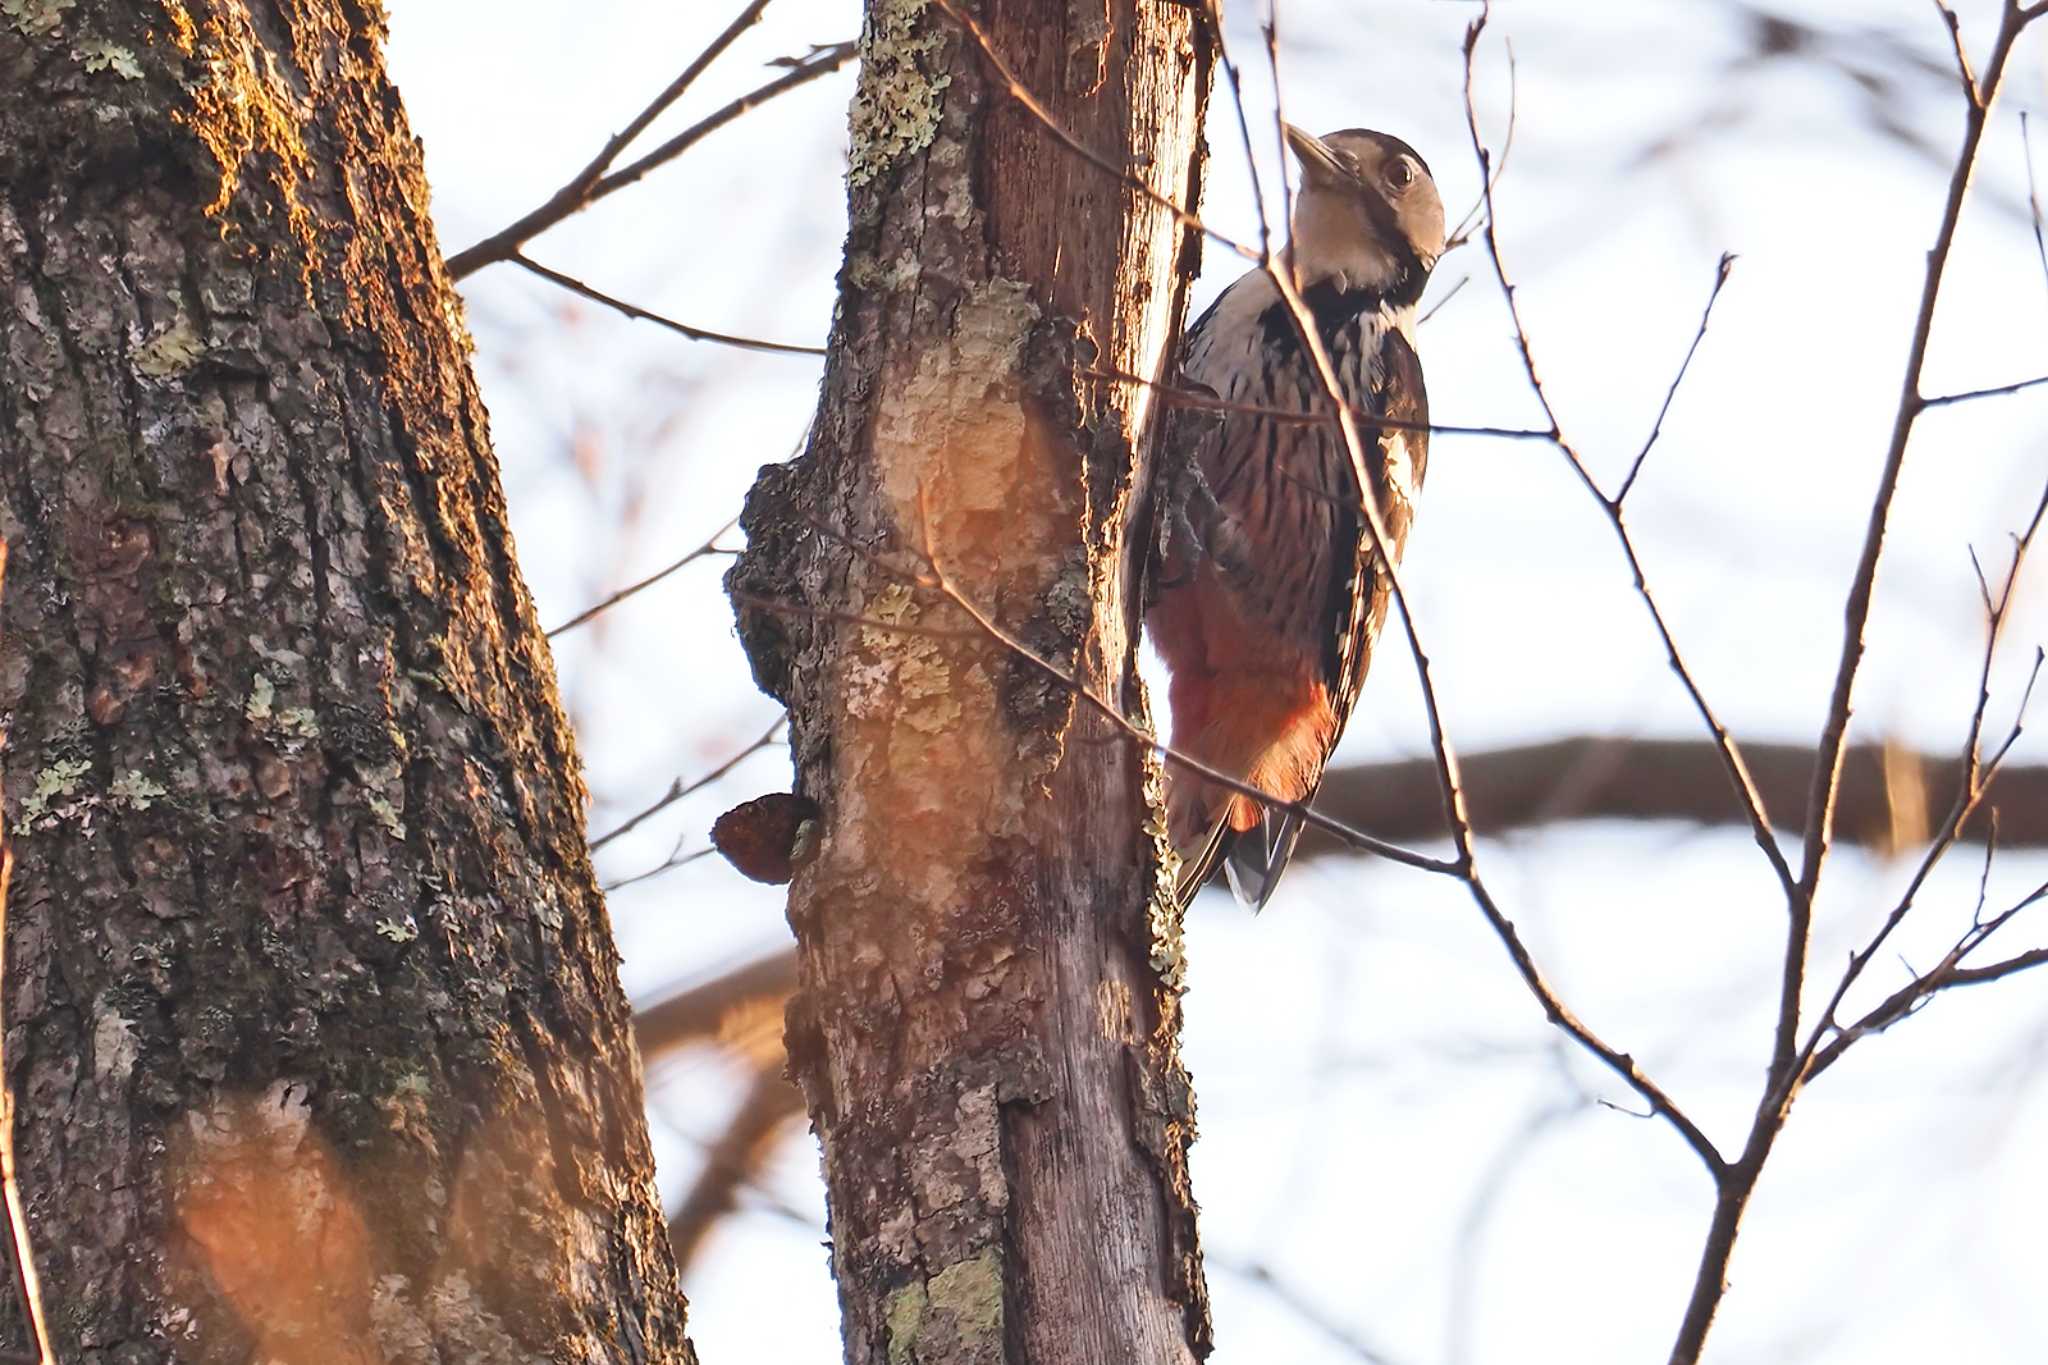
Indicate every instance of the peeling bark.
{"type": "Point", "coordinates": [986, 1029]}
{"type": "Point", "coordinates": [314, 1030]}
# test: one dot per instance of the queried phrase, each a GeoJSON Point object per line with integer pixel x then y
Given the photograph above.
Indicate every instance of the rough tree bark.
{"type": "Point", "coordinates": [986, 1029]}
{"type": "Point", "coordinates": [313, 1023]}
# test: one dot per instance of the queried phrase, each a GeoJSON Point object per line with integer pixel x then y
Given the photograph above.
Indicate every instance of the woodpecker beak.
{"type": "Point", "coordinates": [1320, 164]}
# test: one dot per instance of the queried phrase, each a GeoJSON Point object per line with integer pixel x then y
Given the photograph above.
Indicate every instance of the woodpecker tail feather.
{"type": "Point", "coordinates": [1251, 859]}
{"type": "Point", "coordinates": [1198, 862]}
{"type": "Point", "coordinates": [1257, 857]}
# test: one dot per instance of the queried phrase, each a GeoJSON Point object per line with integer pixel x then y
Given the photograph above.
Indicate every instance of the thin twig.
{"type": "Point", "coordinates": [578, 195]}
{"type": "Point", "coordinates": [619, 141]}
{"type": "Point", "coordinates": [1739, 777]}
{"type": "Point", "coordinates": [1827, 772]}
{"type": "Point", "coordinates": [1209, 402]}
{"type": "Point", "coordinates": [1450, 786]}
{"type": "Point", "coordinates": [1971, 395]}
{"type": "Point", "coordinates": [679, 789]}
{"type": "Point", "coordinates": [942, 583]}
{"type": "Point", "coordinates": [2033, 197]}
{"type": "Point", "coordinates": [1489, 174]}
{"type": "Point", "coordinates": [733, 1159]}
{"type": "Point", "coordinates": [634, 310]}
{"type": "Point", "coordinates": [1789, 1063]}
{"type": "Point", "coordinates": [1438, 307]}
{"type": "Point", "coordinates": [1657, 427]}
{"type": "Point", "coordinates": [676, 858]}
{"type": "Point", "coordinates": [1297, 1303]}
{"type": "Point", "coordinates": [709, 547]}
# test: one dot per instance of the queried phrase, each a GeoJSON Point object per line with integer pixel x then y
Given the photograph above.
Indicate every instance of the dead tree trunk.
{"type": "Point", "coordinates": [314, 1030]}
{"type": "Point", "coordinates": [987, 1022]}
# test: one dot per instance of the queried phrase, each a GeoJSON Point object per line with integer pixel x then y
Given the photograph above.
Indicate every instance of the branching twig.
{"type": "Point", "coordinates": [1827, 772]}
{"type": "Point", "coordinates": [1971, 395]}
{"type": "Point", "coordinates": [1450, 786]}
{"type": "Point", "coordinates": [580, 193]}
{"type": "Point", "coordinates": [732, 1160]}
{"type": "Point", "coordinates": [942, 583]}
{"type": "Point", "coordinates": [679, 789]}
{"type": "Point", "coordinates": [1739, 777]}
{"type": "Point", "coordinates": [1791, 1065]}
{"type": "Point", "coordinates": [709, 547]}
{"type": "Point", "coordinates": [1657, 427]}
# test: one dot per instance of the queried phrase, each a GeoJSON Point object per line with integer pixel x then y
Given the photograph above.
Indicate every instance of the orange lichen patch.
{"type": "Point", "coordinates": [246, 110]}
{"type": "Point", "coordinates": [262, 1198]}
{"type": "Point", "coordinates": [184, 36]}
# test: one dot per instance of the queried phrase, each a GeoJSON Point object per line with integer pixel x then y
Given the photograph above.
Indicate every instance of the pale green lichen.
{"type": "Point", "coordinates": [298, 724]}
{"type": "Point", "coordinates": [387, 816]}
{"type": "Point", "coordinates": [905, 1316]}
{"type": "Point", "coordinates": [48, 799]}
{"type": "Point", "coordinates": [137, 790]}
{"type": "Point", "coordinates": [955, 1315]}
{"type": "Point", "coordinates": [170, 352]}
{"type": "Point", "coordinates": [896, 109]}
{"type": "Point", "coordinates": [398, 931]}
{"type": "Point", "coordinates": [104, 56]}
{"type": "Point", "coordinates": [866, 273]}
{"type": "Point", "coordinates": [33, 18]}
{"type": "Point", "coordinates": [1163, 911]}
{"type": "Point", "coordinates": [971, 1293]}
{"type": "Point", "coordinates": [262, 692]}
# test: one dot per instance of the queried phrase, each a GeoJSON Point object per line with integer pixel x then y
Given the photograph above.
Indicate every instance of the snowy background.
{"type": "Point", "coordinates": [1398, 1161]}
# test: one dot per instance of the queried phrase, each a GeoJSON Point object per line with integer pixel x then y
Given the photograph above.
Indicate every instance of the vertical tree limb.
{"type": "Point", "coordinates": [315, 1038]}
{"type": "Point", "coordinates": [986, 1028]}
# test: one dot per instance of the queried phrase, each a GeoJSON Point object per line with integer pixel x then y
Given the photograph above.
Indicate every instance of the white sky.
{"type": "Point", "coordinates": [1369, 1070]}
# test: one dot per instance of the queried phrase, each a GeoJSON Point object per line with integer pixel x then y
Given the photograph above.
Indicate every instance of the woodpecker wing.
{"type": "Point", "coordinates": [1283, 534]}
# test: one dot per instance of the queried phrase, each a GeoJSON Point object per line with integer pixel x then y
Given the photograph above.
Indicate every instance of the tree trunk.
{"type": "Point", "coordinates": [314, 1030]}
{"type": "Point", "coordinates": [986, 1029]}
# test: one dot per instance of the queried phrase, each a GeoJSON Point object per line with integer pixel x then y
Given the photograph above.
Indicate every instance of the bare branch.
{"type": "Point", "coordinates": [1739, 778]}
{"type": "Point", "coordinates": [709, 547]}
{"type": "Point", "coordinates": [1657, 427]}
{"type": "Point", "coordinates": [579, 194]}
{"type": "Point", "coordinates": [1834, 733]}
{"type": "Point", "coordinates": [943, 584]}
{"type": "Point", "coordinates": [634, 310]}
{"type": "Point", "coordinates": [1450, 786]}
{"type": "Point", "coordinates": [1438, 307]}
{"type": "Point", "coordinates": [733, 1159]}
{"type": "Point", "coordinates": [699, 1011]}
{"type": "Point", "coordinates": [1611, 777]}
{"type": "Point", "coordinates": [2033, 196]}
{"type": "Point", "coordinates": [1297, 1303]}
{"type": "Point", "coordinates": [1971, 395]}
{"type": "Point", "coordinates": [679, 789]}
{"type": "Point", "coordinates": [675, 859]}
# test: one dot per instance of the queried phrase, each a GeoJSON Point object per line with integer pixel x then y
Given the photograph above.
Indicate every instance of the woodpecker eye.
{"type": "Point", "coordinates": [1401, 172]}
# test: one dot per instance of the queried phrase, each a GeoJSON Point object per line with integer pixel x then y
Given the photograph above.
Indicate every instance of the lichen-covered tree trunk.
{"type": "Point", "coordinates": [987, 1021]}
{"type": "Point", "coordinates": [314, 1031]}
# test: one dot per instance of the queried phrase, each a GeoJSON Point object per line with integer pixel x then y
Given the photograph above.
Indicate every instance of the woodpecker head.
{"type": "Point", "coordinates": [1368, 216]}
